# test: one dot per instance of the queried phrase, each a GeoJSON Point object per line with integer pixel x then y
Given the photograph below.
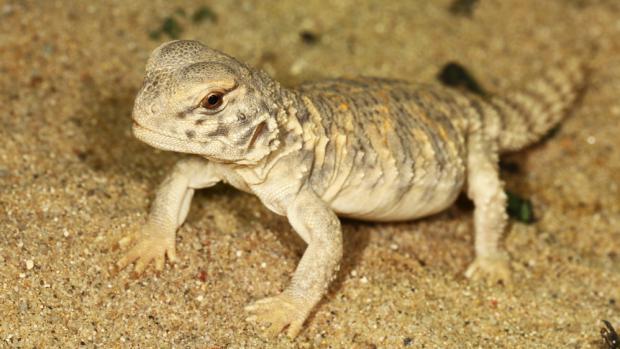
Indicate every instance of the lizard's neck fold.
{"type": "Point", "coordinates": [285, 103]}
{"type": "Point", "coordinates": [289, 112]}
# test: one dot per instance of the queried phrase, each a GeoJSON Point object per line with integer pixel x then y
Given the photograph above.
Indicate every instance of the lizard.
{"type": "Point", "coordinates": [365, 148]}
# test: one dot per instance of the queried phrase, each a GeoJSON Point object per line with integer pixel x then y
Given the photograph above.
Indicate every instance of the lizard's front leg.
{"type": "Point", "coordinates": [155, 240]}
{"type": "Point", "coordinates": [319, 226]}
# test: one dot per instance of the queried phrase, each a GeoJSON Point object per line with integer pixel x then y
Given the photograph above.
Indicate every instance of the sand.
{"type": "Point", "coordinates": [73, 181]}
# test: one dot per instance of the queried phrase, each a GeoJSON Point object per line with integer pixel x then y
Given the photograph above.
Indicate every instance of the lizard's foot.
{"type": "Point", "coordinates": [150, 246]}
{"type": "Point", "coordinates": [493, 268]}
{"type": "Point", "coordinates": [280, 311]}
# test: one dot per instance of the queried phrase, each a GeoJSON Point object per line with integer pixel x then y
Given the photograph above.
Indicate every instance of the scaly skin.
{"type": "Point", "coordinates": [371, 149]}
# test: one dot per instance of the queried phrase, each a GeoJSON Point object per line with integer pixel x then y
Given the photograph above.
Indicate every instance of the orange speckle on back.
{"type": "Point", "coordinates": [343, 107]}
{"type": "Point", "coordinates": [442, 133]}
{"type": "Point", "coordinates": [382, 109]}
{"type": "Point", "coordinates": [384, 96]}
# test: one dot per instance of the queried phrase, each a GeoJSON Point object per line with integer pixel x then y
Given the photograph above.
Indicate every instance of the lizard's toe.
{"type": "Point", "coordinates": [279, 312]}
{"type": "Point", "coordinates": [125, 241]}
{"type": "Point", "coordinates": [493, 269]}
{"type": "Point", "coordinates": [150, 248]}
{"type": "Point", "coordinates": [126, 260]}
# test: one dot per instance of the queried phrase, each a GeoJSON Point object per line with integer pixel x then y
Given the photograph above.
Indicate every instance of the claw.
{"type": "Point", "coordinates": [124, 242]}
{"type": "Point", "coordinates": [125, 261]}
{"type": "Point", "coordinates": [159, 263]}
{"type": "Point", "coordinates": [493, 268]}
{"type": "Point", "coordinates": [172, 255]}
{"type": "Point", "coordinates": [141, 265]}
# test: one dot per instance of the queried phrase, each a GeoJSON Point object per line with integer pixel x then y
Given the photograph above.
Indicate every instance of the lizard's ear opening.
{"type": "Point", "coordinates": [264, 139]}
{"type": "Point", "coordinates": [257, 132]}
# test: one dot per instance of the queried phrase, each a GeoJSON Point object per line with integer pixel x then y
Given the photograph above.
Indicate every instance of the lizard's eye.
{"type": "Point", "coordinates": [213, 100]}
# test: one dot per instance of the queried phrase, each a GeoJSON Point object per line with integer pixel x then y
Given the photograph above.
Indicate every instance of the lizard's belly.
{"type": "Point", "coordinates": [392, 203]}
{"type": "Point", "coordinates": [387, 199]}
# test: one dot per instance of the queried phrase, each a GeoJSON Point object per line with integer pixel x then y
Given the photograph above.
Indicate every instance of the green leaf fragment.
{"type": "Point", "coordinates": [204, 13]}
{"type": "Point", "coordinates": [454, 74]}
{"type": "Point", "coordinates": [155, 34]}
{"type": "Point", "coordinates": [463, 7]}
{"type": "Point", "coordinates": [180, 12]}
{"type": "Point", "coordinates": [171, 27]}
{"type": "Point", "coordinates": [519, 208]}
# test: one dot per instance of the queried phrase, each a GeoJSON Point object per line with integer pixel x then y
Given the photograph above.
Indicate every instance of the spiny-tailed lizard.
{"type": "Point", "coordinates": [367, 148]}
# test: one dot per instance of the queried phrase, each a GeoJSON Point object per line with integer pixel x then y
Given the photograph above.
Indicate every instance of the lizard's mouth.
{"type": "Point", "coordinates": [157, 139]}
{"type": "Point", "coordinates": [210, 150]}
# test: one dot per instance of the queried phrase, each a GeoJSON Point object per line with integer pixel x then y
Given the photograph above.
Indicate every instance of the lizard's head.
{"type": "Point", "coordinates": [200, 101]}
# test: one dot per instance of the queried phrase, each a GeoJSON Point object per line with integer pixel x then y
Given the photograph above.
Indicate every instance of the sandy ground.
{"type": "Point", "coordinates": [73, 180]}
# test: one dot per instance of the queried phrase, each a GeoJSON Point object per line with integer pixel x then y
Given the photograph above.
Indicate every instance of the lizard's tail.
{"type": "Point", "coordinates": [521, 117]}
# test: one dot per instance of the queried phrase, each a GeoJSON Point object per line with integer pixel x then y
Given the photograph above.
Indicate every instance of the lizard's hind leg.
{"type": "Point", "coordinates": [486, 189]}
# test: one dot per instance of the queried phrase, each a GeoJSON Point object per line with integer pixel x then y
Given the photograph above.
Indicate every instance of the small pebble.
{"type": "Point", "coordinates": [29, 264]}
{"type": "Point", "coordinates": [23, 306]}
{"type": "Point", "coordinates": [7, 9]}
{"type": "Point", "coordinates": [202, 276]}
{"type": "Point", "coordinates": [298, 66]}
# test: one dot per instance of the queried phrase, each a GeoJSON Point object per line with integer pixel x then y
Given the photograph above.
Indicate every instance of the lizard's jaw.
{"type": "Point", "coordinates": [170, 143]}
{"type": "Point", "coordinates": [162, 141]}
{"type": "Point", "coordinates": [215, 149]}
